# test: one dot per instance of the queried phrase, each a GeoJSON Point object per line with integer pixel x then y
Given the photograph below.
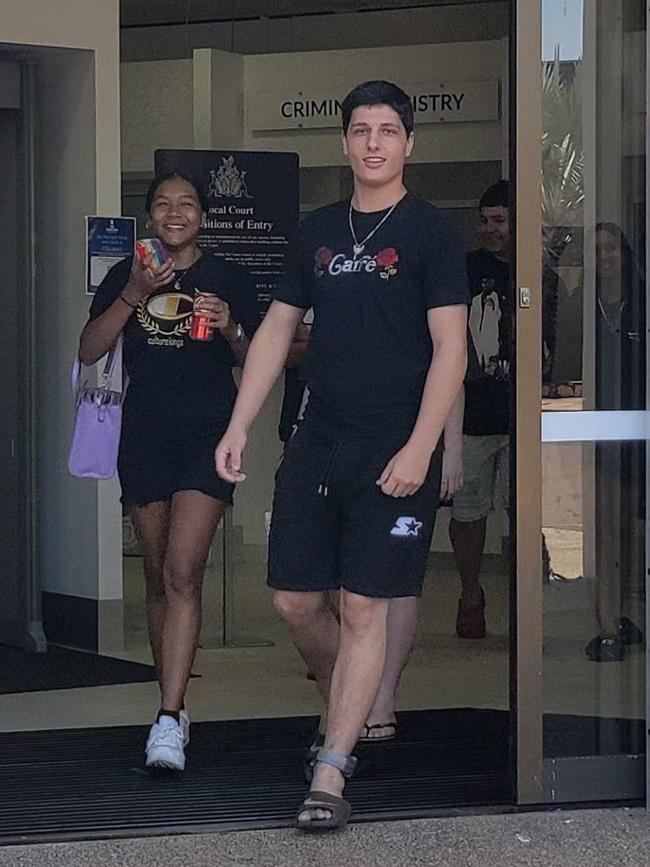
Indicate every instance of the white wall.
{"type": "Point", "coordinates": [156, 110]}
{"type": "Point", "coordinates": [78, 164]}
{"type": "Point", "coordinates": [218, 99]}
{"type": "Point", "coordinates": [69, 509]}
{"type": "Point", "coordinates": [85, 24]}
{"type": "Point", "coordinates": [211, 96]}
{"type": "Point", "coordinates": [336, 72]}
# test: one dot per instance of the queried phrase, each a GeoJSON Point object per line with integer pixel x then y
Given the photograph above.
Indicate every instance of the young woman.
{"type": "Point", "coordinates": [620, 385]}
{"type": "Point", "coordinates": [178, 404]}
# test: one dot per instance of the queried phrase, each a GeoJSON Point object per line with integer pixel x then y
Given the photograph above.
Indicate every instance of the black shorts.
{"type": "Point", "coordinates": [154, 463]}
{"type": "Point", "coordinates": [333, 527]}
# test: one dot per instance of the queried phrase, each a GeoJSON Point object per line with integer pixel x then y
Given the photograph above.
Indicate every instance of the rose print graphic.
{"type": "Point", "coordinates": [387, 259]}
{"type": "Point", "coordinates": [322, 257]}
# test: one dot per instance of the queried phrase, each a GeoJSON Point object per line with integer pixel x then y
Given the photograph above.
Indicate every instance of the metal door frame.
{"type": "Point", "coordinates": [647, 465]}
{"type": "Point", "coordinates": [25, 629]}
{"type": "Point", "coordinates": [580, 778]}
{"type": "Point", "coordinates": [526, 604]}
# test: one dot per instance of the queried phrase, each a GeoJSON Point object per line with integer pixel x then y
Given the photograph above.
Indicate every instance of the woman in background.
{"type": "Point", "coordinates": [620, 465]}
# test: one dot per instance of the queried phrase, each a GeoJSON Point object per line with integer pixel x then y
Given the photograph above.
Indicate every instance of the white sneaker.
{"type": "Point", "coordinates": [165, 745]}
{"type": "Point", "coordinates": [185, 725]}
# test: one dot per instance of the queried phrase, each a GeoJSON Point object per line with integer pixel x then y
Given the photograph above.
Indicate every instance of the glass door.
{"type": "Point", "coordinates": [581, 354]}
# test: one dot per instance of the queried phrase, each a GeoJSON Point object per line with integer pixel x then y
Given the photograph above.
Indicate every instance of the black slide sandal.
{"type": "Point", "coordinates": [339, 809]}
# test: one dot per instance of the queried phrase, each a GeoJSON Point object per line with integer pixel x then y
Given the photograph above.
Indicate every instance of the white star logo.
{"type": "Point", "coordinates": [406, 526]}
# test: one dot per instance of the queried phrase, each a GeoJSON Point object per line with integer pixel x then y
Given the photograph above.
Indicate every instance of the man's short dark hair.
{"type": "Point", "coordinates": [496, 196]}
{"type": "Point", "coordinates": [161, 179]}
{"type": "Point", "coordinates": [378, 93]}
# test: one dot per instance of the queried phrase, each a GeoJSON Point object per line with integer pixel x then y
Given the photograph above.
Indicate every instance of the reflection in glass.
{"type": "Point", "coordinates": [593, 492]}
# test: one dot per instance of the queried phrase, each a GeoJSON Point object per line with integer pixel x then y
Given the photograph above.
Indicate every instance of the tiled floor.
{"type": "Point", "coordinates": [270, 680]}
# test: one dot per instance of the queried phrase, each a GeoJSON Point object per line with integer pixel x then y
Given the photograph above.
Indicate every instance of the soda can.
{"type": "Point", "coordinates": [151, 247]}
{"type": "Point", "coordinates": [201, 329]}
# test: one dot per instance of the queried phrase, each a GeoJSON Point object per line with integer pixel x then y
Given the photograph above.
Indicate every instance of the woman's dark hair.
{"type": "Point", "coordinates": [378, 93]}
{"type": "Point", "coordinates": [613, 229]}
{"type": "Point", "coordinates": [496, 196]}
{"type": "Point", "coordinates": [630, 270]}
{"type": "Point", "coordinates": [161, 179]}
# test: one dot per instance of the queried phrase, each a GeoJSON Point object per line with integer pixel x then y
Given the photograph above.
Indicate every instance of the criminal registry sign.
{"type": "Point", "coordinates": [253, 208]}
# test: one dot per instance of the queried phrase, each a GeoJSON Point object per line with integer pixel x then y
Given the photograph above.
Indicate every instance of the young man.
{"type": "Point", "coordinates": [487, 400]}
{"type": "Point", "coordinates": [486, 452]}
{"type": "Point", "coordinates": [357, 490]}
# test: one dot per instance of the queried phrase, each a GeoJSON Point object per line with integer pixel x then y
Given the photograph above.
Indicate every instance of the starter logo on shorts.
{"type": "Point", "coordinates": [406, 527]}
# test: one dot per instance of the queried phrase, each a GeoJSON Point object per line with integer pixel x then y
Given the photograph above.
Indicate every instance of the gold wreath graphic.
{"type": "Point", "coordinates": [149, 323]}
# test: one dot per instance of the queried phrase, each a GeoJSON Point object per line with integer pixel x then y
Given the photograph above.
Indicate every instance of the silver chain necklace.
{"type": "Point", "coordinates": [359, 246]}
{"type": "Point", "coordinates": [185, 272]}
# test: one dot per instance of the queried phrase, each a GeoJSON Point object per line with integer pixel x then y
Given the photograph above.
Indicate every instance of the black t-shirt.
{"type": "Point", "coordinates": [487, 395]}
{"type": "Point", "coordinates": [174, 380]}
{"type": "Point", "coordinates": [620, 353]}
{"type": "Point", "coordinates": [487, 388]}
{"type": "Point", "coordinates": [370, 347]}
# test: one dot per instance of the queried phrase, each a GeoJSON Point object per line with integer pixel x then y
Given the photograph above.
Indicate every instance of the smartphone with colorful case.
{"type": "Point", "coordinates": [151, 248]}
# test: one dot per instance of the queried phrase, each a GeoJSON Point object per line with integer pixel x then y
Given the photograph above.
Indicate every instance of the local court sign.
{"type": "Point", "coordinates": [449, 102]}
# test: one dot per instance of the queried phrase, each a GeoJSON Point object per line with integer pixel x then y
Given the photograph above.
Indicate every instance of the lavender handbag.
{"type": "Point", "coordinates": [98, 420]}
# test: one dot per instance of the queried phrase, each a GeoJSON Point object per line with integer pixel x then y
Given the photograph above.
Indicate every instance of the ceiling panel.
{"type": "Point", "coordinates": [139, 13]}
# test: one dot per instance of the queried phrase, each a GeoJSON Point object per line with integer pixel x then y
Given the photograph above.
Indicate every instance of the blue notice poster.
{"type": "Point", "coordinates": [108, 241]}
{"type": "Point", "coordinates": [253, 211]}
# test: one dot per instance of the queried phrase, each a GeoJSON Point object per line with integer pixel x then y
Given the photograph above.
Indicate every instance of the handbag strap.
{"type": "Point", "coordinates": [107, 373]}
{"type": "Point", "coordinates": [109, 367]}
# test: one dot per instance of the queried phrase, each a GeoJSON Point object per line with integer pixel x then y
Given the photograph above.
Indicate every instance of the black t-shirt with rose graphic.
{"type": "Point", "coordinates": [370, 347]}
{"type": "Point", "coordinates": [175, 381]}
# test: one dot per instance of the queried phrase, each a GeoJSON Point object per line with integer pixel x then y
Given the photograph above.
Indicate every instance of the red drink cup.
{"type": "Point", "coordinates": [202, 328]}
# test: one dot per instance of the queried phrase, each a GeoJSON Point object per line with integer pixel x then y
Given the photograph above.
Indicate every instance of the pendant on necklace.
{"type": "Point", "coordinates": [358, 249]}
{"type": "Point", "coordinates": [177, 285]}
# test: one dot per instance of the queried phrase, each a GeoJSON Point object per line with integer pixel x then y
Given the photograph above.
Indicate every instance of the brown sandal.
{"type": "Point", "coordinates": [338, 808]}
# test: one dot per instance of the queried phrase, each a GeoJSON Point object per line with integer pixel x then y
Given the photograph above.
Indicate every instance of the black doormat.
{"type": "Point", "coordinates": [241, 774]}
{"type": "Point", "coordinates": [62, 668]}
{"type": "Point", "coordinates": [566, 735]}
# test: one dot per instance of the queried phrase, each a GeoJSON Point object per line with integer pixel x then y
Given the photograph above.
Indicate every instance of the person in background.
{"type": "Point", "coordinates": [295, 383]}
{"type": "Point", "coordinates": [486, 442]}
{"type": "Point", "coordinates": [381, 724]}
{"type": "Point", "coordinates": [620, 466]}
{"type": "Point", "coordinates": [178, 404]}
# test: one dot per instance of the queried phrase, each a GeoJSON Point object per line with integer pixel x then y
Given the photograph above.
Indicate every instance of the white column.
{"type": "Point", "coordinates": [218, 99]}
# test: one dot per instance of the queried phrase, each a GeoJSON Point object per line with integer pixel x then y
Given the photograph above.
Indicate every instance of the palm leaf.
{"type": "Point", "coordinates": [562, 155]}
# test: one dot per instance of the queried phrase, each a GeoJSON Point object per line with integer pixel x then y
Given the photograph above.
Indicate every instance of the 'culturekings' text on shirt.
{"type": "Point", "coordinates": [370, 348]}
{"type": "Point", "coordinates": [182, 383]}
